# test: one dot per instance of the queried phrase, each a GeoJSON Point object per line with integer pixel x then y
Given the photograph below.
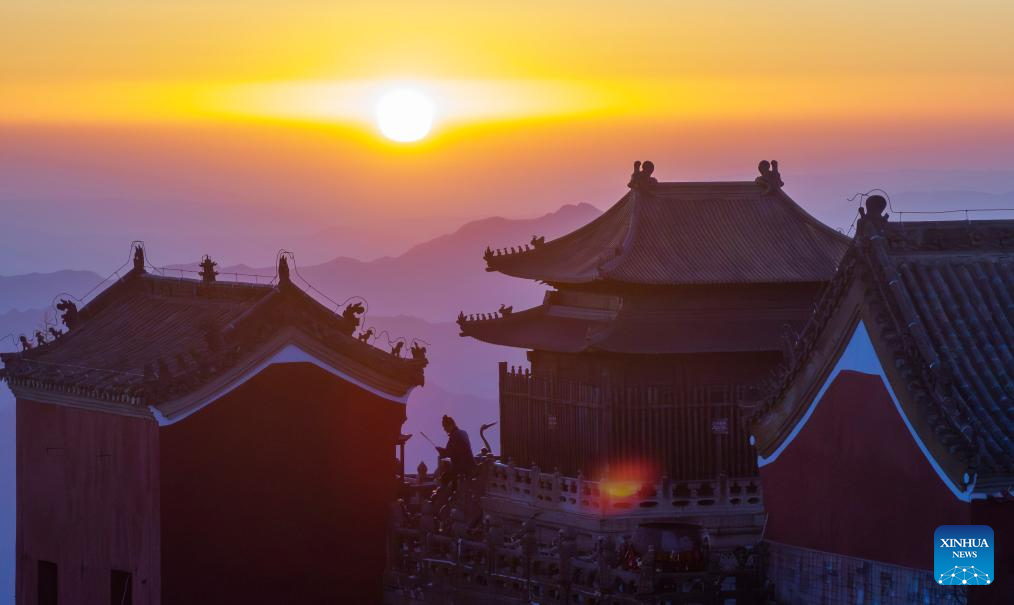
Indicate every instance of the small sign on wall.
{"type": "Point", "coordinates": [720, 426]}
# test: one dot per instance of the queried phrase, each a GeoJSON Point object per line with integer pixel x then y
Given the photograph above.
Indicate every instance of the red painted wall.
{"type": "Point", "coordinates": [279, 492]}
{"type": "Point", "coordinates": [87, 500]}
{"type": "Point", "coordinates": [999, 515]}
{"type": "Point", "coordinates": [854, 481]}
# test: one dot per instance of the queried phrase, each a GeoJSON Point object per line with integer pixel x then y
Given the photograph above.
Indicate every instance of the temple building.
{"type": "Point", "coordinates": [663, 312]}
{"type": "Point", "coordinates": [195, 441]}
{"type": "Point", "coordinates": [894, 415]}
{"type": "Point", "coordinates": [626, 474]}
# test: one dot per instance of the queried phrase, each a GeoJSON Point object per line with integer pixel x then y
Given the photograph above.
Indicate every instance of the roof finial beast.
{"type": "Point", "coordinates": [139, 258]}
{"type": "Point", "coordinates": [283, 271]}
{"type": "Point", "coordinates": [208, 272]}
{"type": "Point", "coordinates": [769, 179]}
{"type": "Point", "coordinates": [70, 313]}
{"type": "Point", "coordinates": [641, 177]}
{"type": "Point", "coordinates": [351, 315]}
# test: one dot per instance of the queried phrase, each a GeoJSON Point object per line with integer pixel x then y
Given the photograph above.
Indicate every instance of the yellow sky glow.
{"type": "Point", "coordinates": [118, 61]}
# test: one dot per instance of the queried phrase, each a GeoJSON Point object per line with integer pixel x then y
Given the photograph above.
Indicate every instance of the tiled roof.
{"type": "Point", "coordinates": [958, 311]}
{"type": "Point", "coordinates": [938, 300]}
{"type": "Point", "coordinates": [151, 340]}
{"type": "Point", "coordinates": [687, 234]}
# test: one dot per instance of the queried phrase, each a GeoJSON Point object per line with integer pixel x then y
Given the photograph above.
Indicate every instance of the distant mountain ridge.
{"type": "Point", "coordinates": [35, 290]}
{"type": "Point", "coordinates": [414, 295]}
{"type": "Point", "coordinates": [436, 279]}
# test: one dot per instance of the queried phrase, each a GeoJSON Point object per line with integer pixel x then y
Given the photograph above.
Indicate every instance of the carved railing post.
{"type": "Point", "coordinates": [566, 554]}
{"type": "Point", "coordinates": [603, 558]}
{"type": "Point", "coordinates": [511, 473]}
{"type": "Point", "coordinates": [494, 540]}
{"type": "Point", "coordinates": [534, 484]}
{"type": "Point", "coordinates": [459, 525]}
{"type": "Point", "coordinates": [664, 492]}
{"type": "Point", "coordinates": [646, 580]}
{"type": "Point", "coordinates": [427, 523]}
{"type": "Point", "coordinates": [529, 547]}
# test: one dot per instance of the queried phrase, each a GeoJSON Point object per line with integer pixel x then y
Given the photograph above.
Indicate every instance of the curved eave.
{"type": "Point", "coordinates": [291, 346]}
{"type": "Point", "coordinates": [573, 258]}
{"type": "Point", "coordinates": [288, 346]}
{"type": "Point", "coordinates": [688, 234]}
{"type": "Point", "coordinates": [776, 427]}
{"type": "Point", "coordinates": [536, 329]}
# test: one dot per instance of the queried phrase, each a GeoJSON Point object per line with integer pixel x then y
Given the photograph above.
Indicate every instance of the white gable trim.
{"type": "Point", "coordinates": [860, 356]}
{"type": "Point", "coordinates": [291, 353]}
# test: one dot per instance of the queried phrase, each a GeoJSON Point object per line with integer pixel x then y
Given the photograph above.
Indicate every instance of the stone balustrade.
{"type": "Point", "coordinates": [553, 491]}
{"type": "Point", "coordinates": [490, 565]}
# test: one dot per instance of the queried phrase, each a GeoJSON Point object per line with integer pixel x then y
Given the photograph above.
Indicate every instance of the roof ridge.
{"type": "Point", "coordinates": [628, 239]}
{"type": "Point", "coordinates": [213, 284]}
{"type": "Point", "coordinates": [730, 183]}
{"type": "Point", "coordinates": [722, 232]}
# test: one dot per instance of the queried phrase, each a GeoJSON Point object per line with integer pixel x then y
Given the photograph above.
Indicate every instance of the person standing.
{"type": "Point", "coordinates": [458, 450]}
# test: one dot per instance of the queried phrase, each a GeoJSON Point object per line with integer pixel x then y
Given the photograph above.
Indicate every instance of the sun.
{"type": "Point", "coordinates": [404, 115]}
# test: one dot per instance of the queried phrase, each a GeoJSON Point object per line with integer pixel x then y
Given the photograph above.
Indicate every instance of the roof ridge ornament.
{"type": "Point", "coordinates": [208, 272]}
{"type": "Point", "coordinates": [138, 258]}
{"type": "Point", "coordinates": [872, 219]}
{"type": "Point", "coordinates": [769, 179]}
{"type": "Point", "coordinates": [70, 314]}
{"type": "Point", "coordinates": [351, 315]}
{"type": "Point", "coordinates": [283, 271]}
{"type": "Point", "coordinates": [641, 178]}
{"type": "Point", "coordinates": [418, 352]}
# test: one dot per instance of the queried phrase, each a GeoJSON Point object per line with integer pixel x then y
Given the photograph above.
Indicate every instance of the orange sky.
{"type": "Point", "coordinates": [263, 107]}
{"type": "Point", "coordinates": [112, 60]}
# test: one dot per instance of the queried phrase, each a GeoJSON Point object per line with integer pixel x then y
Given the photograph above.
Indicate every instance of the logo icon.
{"type": "Point", "coordinates": [963, 555]}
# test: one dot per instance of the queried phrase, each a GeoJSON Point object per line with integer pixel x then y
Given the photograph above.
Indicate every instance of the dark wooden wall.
{"type": "Point", "coordinates": [661, 412]}
{"type": "Point", "coordinates": [279, 493]}
{"type": "Point", "coordinates": [87, 500]}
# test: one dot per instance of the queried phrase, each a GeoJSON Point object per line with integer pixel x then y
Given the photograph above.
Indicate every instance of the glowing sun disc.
{"type": "Point", "coordinates": [404, 115]}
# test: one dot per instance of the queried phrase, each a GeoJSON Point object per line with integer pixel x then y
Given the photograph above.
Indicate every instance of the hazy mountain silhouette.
{"type": "Point", "coordinates": [371, 240]}
{"type": "Point", "coordinates": [436, 279]}
{"type": "Point", "coordinates": [35, 290]}
{"type": "Point", "coordinates": [908, 201]}
{"type": "Point", "coordinates": [461, 364]}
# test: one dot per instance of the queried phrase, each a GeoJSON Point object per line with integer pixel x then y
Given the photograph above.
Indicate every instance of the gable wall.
{"type": "Point", "coordinates": [854, 482]}
{"type": "Point", "coordinates": [87, 500]}
{"type": "Point", "coordinates": [279, 492]}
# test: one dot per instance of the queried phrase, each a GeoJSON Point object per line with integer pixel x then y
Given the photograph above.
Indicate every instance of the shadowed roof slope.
{"type": "Point", "coordinates": [151, 340]}
{"type": "Point", "coordinates": [937, 299]}
{"type": "Point", "coordinates": [693, 323]}
{"type": "Point", "coordinates": [687, 234]}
